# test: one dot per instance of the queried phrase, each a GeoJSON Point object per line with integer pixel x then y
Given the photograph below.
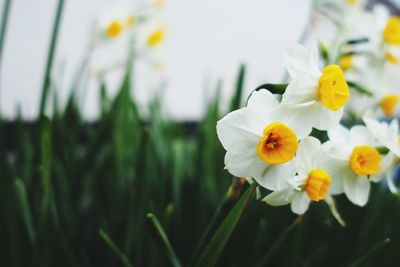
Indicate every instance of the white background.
{"type": "Point", "coordinates": [206, 41]}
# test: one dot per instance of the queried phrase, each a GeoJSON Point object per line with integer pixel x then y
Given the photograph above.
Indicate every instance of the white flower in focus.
{"type": "Point", "coordinates": [316, 98]}
{"type": "Point", "coordinates": [309, 179]}
{"type": "Point", "coordinates": [387, 134]}
{"type": "Point", "coordinates": [356, 159]}
{"type": "Point", "coordinates": [259, 141]}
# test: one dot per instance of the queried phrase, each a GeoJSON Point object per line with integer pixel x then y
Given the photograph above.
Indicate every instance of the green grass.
{"type": "Point", "coordinates": [124, 191]}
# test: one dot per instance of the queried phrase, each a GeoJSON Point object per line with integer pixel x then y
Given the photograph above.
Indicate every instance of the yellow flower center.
{"type": "Point", "coordinates": [352, 2]}
{"type": "Point", "coordinates": [391, 33]}
{"type": "Point", "coordinates": [159, 3]}
{"type": "Point", "coordinates": [391, 58]}
{"type": "Point", "coordinates": [156, 37]}
{"type": "Point", "coordinates": [278, 144]}
{"type": "Point", "coordinates": [388, 104]}
{"type": "Point", "coordinates": [130, 21]}
{"type": "Point", "coordinates": [346, 62]}
{"type": "Point", "coordinates": [114, 29]}
{"type": "Point", "coordinates": [317, 184]}
{"type": "Point", "coordinates": [365, 160]}
{"type": "Point", "coordinates": [333, 89]}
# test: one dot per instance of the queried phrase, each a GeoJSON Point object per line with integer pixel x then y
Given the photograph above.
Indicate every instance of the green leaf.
{"type": "Point", "coordinates": [3, 26]}
{"type": "Point", "coordinates": [50, 57]}
{"type": "Point", "coordinates": [217, 244]}
{"type": "Point", "coordinates": [278, 243]}
{"type": "Point", "coordinates": [23, 204]}
{"type": "Point", "coordinates": [369, 252]}
{"type": "Point", "coordinates": [162, 239]}
{"type": "Point", "coordinates": [237, 97]}
{"type": "Point", "coordinates": [124, 259]}
{"type": "Point", "coordinates": [46, 157]}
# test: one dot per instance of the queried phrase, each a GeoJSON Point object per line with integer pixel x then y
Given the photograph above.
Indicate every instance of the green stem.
{"type": "Point", "coordinates": [275, 246]}
{"type": "Point", "coordinates": [223, 209]}
{"type": "Point", "coordinates": [50, 58]}
{"type": "Point", "coordinates": [371, 251]}
{"type": "Point", "coordinates": [162, 239]}
{"type": "Point", "coordinates": [359, 88]}
{"type": "Point", "coordinates": [124, 259]}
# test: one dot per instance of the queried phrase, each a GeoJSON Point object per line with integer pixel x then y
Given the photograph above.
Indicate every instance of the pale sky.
{"type": "Point", "coordinates": [206, 41]}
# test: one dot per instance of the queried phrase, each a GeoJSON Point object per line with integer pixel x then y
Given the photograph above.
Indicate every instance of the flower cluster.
{"type": "Point", "coordinates": [272, 140]}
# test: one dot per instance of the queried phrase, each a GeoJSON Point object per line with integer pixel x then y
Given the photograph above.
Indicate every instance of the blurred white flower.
{"type": "Point", "coordinates": [308, 178]}
{"type": "Point", "coordinates": [386, 134]}
{"type": "Point", "coordinates": [259, 141]}
{"type": "Point", "coordinates": [356, 158]}
{"type": "Point", "coordinates": [316, 98]}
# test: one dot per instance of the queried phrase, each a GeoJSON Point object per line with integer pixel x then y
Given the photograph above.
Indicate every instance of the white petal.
{"type": "Point", "coordinates": [304, 117]}
{"type": "Point", "coordinates": [300, 203]}
{"type": "Point", "coordinates": [275, 176]}
{"type": "Point", "coordinates": [244, 164]}
{"type": "Point", "coordinates": [359, 135]}
{"type": "Point", "coordinates": [287, 115]}
{"type": "Point", "coordinates": [388, 163]}
{"type": "Point", "coordinates": [308, 151]}
{"type": "Point", "coordinates": [300, 91]}
{"type": "Point", "coordinates": [299, 61]}
{"type": "Point", "coordinates": [339, 134]}
{"type": "Point", "coordinates": [262, 101]}
{"type": "Point", "coordinates": [357, 189]}
{"type": "Point", "coordinates": [239, 131]}
{"type": "Point", "coordinates": [385, 134]}
{"type": "Point", "coordinates": [337, 169]}
{"type": "Point", "coordinates": [279, 198]}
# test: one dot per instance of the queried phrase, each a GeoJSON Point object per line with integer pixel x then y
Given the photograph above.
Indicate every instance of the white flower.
{"type": "Point", "coordinates": [388, 135]}
{"type": "Point", "coordinates": [316, 98]}
{"type": "Point", "coordinates": [308, 180]}
{"type": "Point", "coordinates": [356, 158]}
{"type": "Point", "coordinates": [385, 34]}
{"type": "Point", "coordinates": [259, 141]}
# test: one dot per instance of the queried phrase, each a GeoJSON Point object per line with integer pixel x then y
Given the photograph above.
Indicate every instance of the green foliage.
{"type": "Point", "coordinates": [125, 191]}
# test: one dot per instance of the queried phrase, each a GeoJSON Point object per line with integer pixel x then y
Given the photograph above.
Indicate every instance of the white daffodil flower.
{"type": "Point", "coordinates": [385, 34]}
{"type": "Point", "coordinates": [259, 141]}
{"type": "Point", "coordinates": [384, 85]}
{"type": "Point", "coordinates": [309, 179]}
{"type": "Point", "coordinates": [356, 158]}
{"type": "Point", "coordinates": [386, 134]}
{"type": "Point", "coordinates": [316, 98]}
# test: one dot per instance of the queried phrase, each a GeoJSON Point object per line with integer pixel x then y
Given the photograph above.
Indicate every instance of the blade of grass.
{"type": "Point", "coordinates": [162, 239]}
{"type": "Point", "coordinates": [22, 201]}
{"type": "Point", "coordinates": [50, 58]}
{"type": "Point", "coordinates": [217, 244]}
{"type": "Point", "coordinates": [370, 252]}
{"type": "Point", "coordinates": [124, 259]}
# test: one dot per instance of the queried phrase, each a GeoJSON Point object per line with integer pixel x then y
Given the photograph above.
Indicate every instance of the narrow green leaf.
{"type": "Point", "coordinates": [217, 244]}
{"type": "Point", "coordinates": [46, 156]}
{"type": "Point", "coordinates": [223, 209]}
{"type": "Point", "coordinates": [370, 252]}
{"type": "Point", "coordinates": [3, 26]}
{"type": "Point", "coordinates": [278, 243]}
{"type": "Point", "coordinates": [50, 56]}
{"type": "Point", "coordinates": [237, 97]}
{"type": "Point", "coordinates": [22, 201]}
{"type": "Point", "coordinates": [110, 243]}
{"type": "Point", "coordinates": [162, 239]}
{"type": "Point", "coordinates": [359, 88]}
